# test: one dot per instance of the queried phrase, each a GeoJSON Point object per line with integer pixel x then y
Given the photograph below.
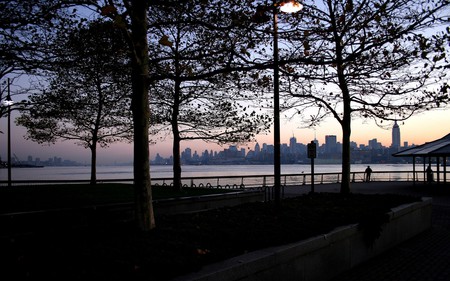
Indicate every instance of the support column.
{"type": "Point", "coordinates": [438, 176]}
{"type": "Point", "coordinates": [445, 168]}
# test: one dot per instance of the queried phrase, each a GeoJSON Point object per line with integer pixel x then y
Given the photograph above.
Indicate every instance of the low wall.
{"type": "Point", "coordinates": [206, 202]}
{"type": "Point", "coordinates": [26, 222]}
{"type": "Point", "coordinates": [322, 257]}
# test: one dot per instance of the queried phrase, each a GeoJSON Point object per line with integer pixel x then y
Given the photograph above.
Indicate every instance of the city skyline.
{"type": "Point", "coordinates": [329, 151]}
{"type": "Point", "coordinates": [419, 129]}
{"type": "Point", "coordinates": [328, 146]}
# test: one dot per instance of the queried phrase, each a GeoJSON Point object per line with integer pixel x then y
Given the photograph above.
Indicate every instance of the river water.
{"type": "Point", "coordinates": [126, 172]}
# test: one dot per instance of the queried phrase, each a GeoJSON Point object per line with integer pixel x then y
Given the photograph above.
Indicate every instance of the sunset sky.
{"type": "Point", "coordinates": [421, 128]}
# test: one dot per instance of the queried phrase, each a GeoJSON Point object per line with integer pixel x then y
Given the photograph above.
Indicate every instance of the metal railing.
{"type": "Point", "coordinates": [255, 181]}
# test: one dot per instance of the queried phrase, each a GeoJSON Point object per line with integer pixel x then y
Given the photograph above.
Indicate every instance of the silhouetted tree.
{"type": "Point", "coordinates": [129, 16]}
{"type": "Point", "coordinates": [23, 24]}
{"type": "Point", "coordinates": [375, 59]}
{"type": "Point", "coordinates": [88, 98]}
{"type": "Point", "coordinates": [22, 48]}
{"type": "Point", "coordinates": [196, 93]}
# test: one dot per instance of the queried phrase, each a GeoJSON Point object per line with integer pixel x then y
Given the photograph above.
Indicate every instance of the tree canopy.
{"type": "Point", "coordinates": [88, 98]}
{"type": "Point", "coordinates": [194, 92]}
{"type": "Point", "coordinates": [375, 59]}
{"type": "Point", "coordinates": [25, 29]}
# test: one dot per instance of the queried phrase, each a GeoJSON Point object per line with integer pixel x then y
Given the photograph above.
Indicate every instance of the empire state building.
{"type": "Point", "coordinates": [395, 137]}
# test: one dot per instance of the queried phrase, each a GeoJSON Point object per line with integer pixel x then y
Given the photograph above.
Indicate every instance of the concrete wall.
{"type": "Point", "coordinates": [322, 257]}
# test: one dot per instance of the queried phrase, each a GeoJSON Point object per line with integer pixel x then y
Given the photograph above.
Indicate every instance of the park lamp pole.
{"type": "Point", "coordinates": [8, 102]}
{"type": "Point", "coordinates": [285, 7]}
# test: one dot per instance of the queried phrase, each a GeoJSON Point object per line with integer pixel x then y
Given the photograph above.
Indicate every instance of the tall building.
{"type": "Point", "coordinates": [395, 136]}
{"type": "Point", "coordinates": [257, 148]}
{"type": "Point", "coordinates": [242, 152]}
{"type": "Point", "coordinates": [331, 144]}
{"type": "Point", "coordinates": [186, 155]}
{"type": "Point", "coordinates": [374, 144]}
{"type": "Point", "coordinates": [292, 144]}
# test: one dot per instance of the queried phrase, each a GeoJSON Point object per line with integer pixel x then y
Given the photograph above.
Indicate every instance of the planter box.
{"type": "Point", "coordinates": [206, 202]}
{"type": "Point", "coordinates": [322, 257]}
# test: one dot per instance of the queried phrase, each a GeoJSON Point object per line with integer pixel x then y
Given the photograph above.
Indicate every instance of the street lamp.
{"type": "Point", "coordinates": [290, 7]}
{"type": "Point", "coordinates": [8, 102]}
{"type": "Point", "coordinates": [285, 7]}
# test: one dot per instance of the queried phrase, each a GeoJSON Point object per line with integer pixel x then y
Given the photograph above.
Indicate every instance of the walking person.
{"type": "Point", "coordinates": [367, 173]}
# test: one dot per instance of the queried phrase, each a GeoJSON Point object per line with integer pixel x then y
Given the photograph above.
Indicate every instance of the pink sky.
{"type": "Point", "coordinates": [421, 128]}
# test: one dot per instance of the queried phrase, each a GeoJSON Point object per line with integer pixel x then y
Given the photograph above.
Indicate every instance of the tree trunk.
{"type": "Point", "coordinates": [176, 157]}
{"type": "Point", "coordinates": [346, 118]}
{"type": "Point", "coordinates": [346, 132]}
{"type": "Point", "coordinates": [176, 131]}
{"type": "Point", "coordinates": [140, 107]}
{"type": "Point", "coordinates": [93, 163]}
{"type": "Point", "coordinates": [176, 150]}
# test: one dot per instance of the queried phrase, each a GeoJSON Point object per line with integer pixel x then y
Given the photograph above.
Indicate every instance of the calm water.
{"type": "Point", "coordinates": [126, 172]}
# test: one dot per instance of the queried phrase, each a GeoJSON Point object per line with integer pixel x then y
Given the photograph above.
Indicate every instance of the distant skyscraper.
{"type": "Point", "coordinates": [374, 144]}
{"type": "Point", "coordinates": [330, 144]}
{"type": "Point", "coordinates": [186, 154]}
{"type": "Point", "coordinates": [292, 144]}
{"type": "Point", "coordinates": [396, 136]}
{"type": "Point", "coordinates": [257, 148]}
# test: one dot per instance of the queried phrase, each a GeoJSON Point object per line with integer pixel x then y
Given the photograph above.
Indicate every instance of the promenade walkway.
{"type": "Point", "coordinates": [423, 258]}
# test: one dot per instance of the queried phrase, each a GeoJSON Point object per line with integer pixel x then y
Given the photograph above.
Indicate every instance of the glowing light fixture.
{"type": "Point", "coordinates": [8, 101]}
{"type": "Point", "coordinates": [290, 7]}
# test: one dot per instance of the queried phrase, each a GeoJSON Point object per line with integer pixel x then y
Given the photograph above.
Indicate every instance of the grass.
{"type": "Point", "coordinates": [43, 197]}
{"type": "Point", "coordinates": [184, 243]}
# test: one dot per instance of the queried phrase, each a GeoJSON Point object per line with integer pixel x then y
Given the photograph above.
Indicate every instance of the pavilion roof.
{"type": "Point", "coordinates": [437, 148]}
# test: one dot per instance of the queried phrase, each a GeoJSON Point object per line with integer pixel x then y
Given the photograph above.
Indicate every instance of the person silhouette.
{"type": "Point", "coordinates": [429, 174]}
{"type": "Point", "coordinates": [368, 172]}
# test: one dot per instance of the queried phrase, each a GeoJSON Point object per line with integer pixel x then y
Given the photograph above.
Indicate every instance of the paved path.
{"type": "Point", "coordinates": [423, 258]}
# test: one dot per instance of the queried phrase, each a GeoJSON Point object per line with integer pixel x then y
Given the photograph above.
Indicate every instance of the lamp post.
{"type": "Point", "coordinates": [285, 7]}
{"type": "Point", "coordinates": [8, 102]}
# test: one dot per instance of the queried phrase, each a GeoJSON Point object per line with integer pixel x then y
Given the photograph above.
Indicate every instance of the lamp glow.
{"type": "Point", "coordinates": [8, 102]}
{"type": "Point", "coordinates": [290, 7]}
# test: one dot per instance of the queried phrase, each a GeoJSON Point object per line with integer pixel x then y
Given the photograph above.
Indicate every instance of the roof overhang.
{"type": "Point", "coordinates": [437, 148]}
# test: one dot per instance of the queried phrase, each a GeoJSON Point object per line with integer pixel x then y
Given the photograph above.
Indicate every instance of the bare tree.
{"type": "Point", "coordinates": [196, 92]}
{"type": "Point", "coordinates": [375, 59]}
